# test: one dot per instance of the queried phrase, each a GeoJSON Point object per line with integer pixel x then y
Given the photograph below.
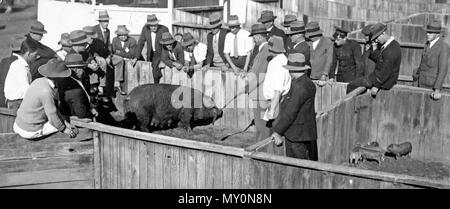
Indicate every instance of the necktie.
{"type": "Point", "coordinates": [191, 55]}
{"type": "Point", "coordinates": [106, 35]}
{"type": "Point", "coordinates": [235, 53]}
{"type": "Point", "coordinates": [172, 56]}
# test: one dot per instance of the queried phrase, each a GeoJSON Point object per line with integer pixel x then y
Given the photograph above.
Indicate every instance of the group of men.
{"type": "Point", "coordinates": [283, 62]}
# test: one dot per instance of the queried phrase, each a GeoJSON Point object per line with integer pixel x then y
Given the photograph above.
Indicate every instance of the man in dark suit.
{"type": "Point", "coordinates": [297, 35]}
{"type": "Point", "coordinates": [215, 42]}
{"type": "Point", "coordinates": [434, 65]}
{"type": "Point", "coordinates": [123, 48]}
{"type": "Point", "coordinates": [267, 18]}
{"type": "Point", "coordinates": [347, 60]}
{"type": "Point", "coordinates": [321, 53]}
{"type": "Point", "coordinates": [297, 118]}
{"type": "Point", "coordinates": [102, 30]}
{"type": "Point", "coordinates": [388, 59]}
{"type": "Point", "coordinates": [151, 34]}
{"type": "Point", "coordinates": [172, 54]}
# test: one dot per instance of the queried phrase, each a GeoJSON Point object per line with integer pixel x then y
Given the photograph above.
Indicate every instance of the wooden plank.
{"type": "Point", "coordinates": [135, 171]}
{"type": "Point", "coordinates": [201, 170]}
{"type": "Point", "coordinates": [61, 162]}
{"type": "Point", "coordinates": [160, 173]}
{"type": "Point", "coordinates": [183, 169]}
{"type": "Point", "coordinates": [174, 168]}
{"type": "Point", "coordinates": [37, 150]}
{"type": "Point", "coordinates": [192, 169]}
{"type": "Point", "coordinates": [151, 166]}
{"type": "Point", "coordinates": [97, 161]}
{"type": "Point", "coordinates": [143, 166]}
{"type": "Point", "coordinates": [10, 140]}
{"type": "Point", "coordinates": [62, 185]}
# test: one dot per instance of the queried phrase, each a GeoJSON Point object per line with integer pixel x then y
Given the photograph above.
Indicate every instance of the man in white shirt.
{"type": "Point", "coordinates": [18, 78]}
{"type": "Point", "coordinates": [238, 46]}
{"type": "Point", "coordinates": [194, 54]}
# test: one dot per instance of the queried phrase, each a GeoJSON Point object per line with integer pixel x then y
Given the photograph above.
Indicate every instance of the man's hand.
{"type": "Point", "coordinates": [374, 91]}
{"type": "Point", "coordinates": [177, 65]}
{"type": "Point", "coordinates": [323, 80]}
{"type": "Point", "coordinates": [133, 61]}
{"type": "Point", "coordinates": [278, 139]}
{"type": "Point", "coordinates": [236, 70]}
{"type": "Point", "coordinates": [70, 132]}
{"type": "Point", "coordinates": [94, 112]}
{"type": "Point", "coordinates": [93, 66]}
{"type": "Point", "coordinates": [436, 95]}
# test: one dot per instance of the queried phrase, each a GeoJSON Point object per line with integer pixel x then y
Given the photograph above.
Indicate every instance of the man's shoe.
{"type": "Point", "coordinates": [118, 89]}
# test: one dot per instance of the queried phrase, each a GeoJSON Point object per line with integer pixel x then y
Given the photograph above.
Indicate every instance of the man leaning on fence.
{"type": "Point", "coordinates": [215, 42]}
{"type": "Point", "coordinates": [321, 52]}
{"type": "Point", "coordinates": [238, 46]}
{"type": "Point", "coordinates": [172, 53]}
{"type": "Point", "coordinates": [194, 54]}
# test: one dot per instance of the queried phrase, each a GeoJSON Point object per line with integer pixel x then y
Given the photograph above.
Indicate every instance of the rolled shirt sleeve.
{"type": "Point", "coordinates": [200, 52]}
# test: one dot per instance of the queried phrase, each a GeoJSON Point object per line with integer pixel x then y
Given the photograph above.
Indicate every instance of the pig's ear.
{"type": "Point", "coordinates": [208, 102]}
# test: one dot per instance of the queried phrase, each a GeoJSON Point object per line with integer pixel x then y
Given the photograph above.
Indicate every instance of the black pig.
{"type": "Point", "coordinates": [162, 106]}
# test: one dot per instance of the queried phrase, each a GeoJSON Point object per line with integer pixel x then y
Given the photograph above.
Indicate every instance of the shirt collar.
{"type": "Point", "coordinates": [434, 42]}
{"type": "Point", "coordinates": [51, 83]}
{"type": "Point", "coordinates": [388, 42]}
{"type": "Point", "coordinates": [262, 45]}
{"type": "Point", "coordinates": [295, 45]}
{"type": "Point", "coordinates": [21, 60]}
{"type": "Point", "coordinates": [270, 29]}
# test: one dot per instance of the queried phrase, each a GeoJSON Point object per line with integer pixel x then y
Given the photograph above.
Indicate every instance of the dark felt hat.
{"type": "Point", "coordinates": [152, 20]}
{"type": "Point", "coordinates": [296, 63]}
{"type": "Point", "coordinates": [65, 40]}
{"type": "Point", "coordinates": [296, 28]}
{"type": "Point", "coordinates": [266, 16]}
{"type": "Point", "coordinates": [79, 37]}
{"type": "Point", "coordinates": [122, 30]}
{"type": "Point", "coordinates": [166, 38]}
{"type": "Point", "coordinates": [313, 29]}
{"type": "Point", "coordinates": [55, 68]}
{"type": "Point", "coordinates": [103, 16]}
{"type": "Point", "coordinates": [433, 27]}
{"type": "Point", "coordinates": [288, 20]}
{"type": "Point", "coordinates": [367, 30]}
{"type": "Point", "coordinates": [377, 30]}
{"type": "Point", "coordinates": [188, 39]}
{"type": "Point", "coordinates": [258, 29]}
{"type": "Point", "coordinates": [74, 60]}
{"type": "Point", "coordinates": [233, 20]}
{"type": "Point", "coordinates": [276, 44]}
{"type": "Point", "coordinates": [37, 28]}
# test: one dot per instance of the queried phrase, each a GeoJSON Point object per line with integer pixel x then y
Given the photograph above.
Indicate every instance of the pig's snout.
{"type": "Point", "coordinates": [217, 114]}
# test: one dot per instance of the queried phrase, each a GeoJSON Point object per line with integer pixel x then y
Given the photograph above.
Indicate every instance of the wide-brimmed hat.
{"type": "Point", "coordinates": [296, 28]}
{"type": "Point", "coordinates": [215, 21]}
{"type": "Point", "coordinates": [79, 37]}
{"type": "Point", "coordinates": [65, 40]}
{"type": "Point", "coordinates": [152, 20]}
{"type": "Point", "coordinates": [37, 28]}
{"type": "Point", "coordinates": [55, 68]}
{"type": "Point", "coordinates": [233, 21]}
{"type": "Point", "coordinates": [16, 42]}
{"type": "Point", "coordinates": [288, 20]}
{"type": "Point", "coordinates": [90, 32]}
{"type": "Point", "coordinates": [103, 16]}
{"type": "Point", "coordinates": [313, 29]}
{"type": "Point", "coordinates": [258, 29]}
{"type": "Point", "coordinates": [188, 39]}
{"type": "Point", "coordinates": [166, 39]}
{"type": "Point", "coordinates": [122, 30]}
{"type": "Point", "coordinates": [296, 63]}
{"type": "Point", "coordinates": [74, 60]}
{"type": "Point", "coordinates": [276, 44]}
{"type": "Point", "coordinates": [266, 16]}
{"type": "Point", "coordinates": [367, 30]}
{"type": "Point", "coordinates": [433, 27]}
{"type": "Point", "coordinates": [377, 30]}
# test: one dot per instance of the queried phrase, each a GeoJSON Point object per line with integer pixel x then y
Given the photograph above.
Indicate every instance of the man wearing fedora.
{"type": "Point", "coordinates": [268, 19]}
{"type": "Point", "coordinates": [321, 52]}
{"type": "Point", "coordinates": [44, 53]}
{"type": "Point", "coordinates": [387, 63]}
{"type": "Point", "coordinates": [66, 46]}
{"type": "Point", "coordinates": [347, 60]}
{"type": "Point", "coordinates": [18, 78]}
{"type": "Point", "coordinates": [369, 64]}
{"type": "Point", "coordinates": [102, 29]}
{"type": "Point", "coordinates": [297, 119]}
{"type": "Point", "coordinates": [238, 46]}
{"type": "Point", "coordinates": [38, 115]}
{"type": "Point", "coordinates": [297, 36]}
{"type": "Point", "coordinates": [172, 53]}
{"type": "Point", "coordinates": [434, 64]}
{"type": "Point", "coordinates": [152, 34]}
{"type": "Point", "coordinates": [15, 45]}
{"type": "Point", "coordinates": [277, 81]}
{"type": "Point", "coordinates": [215, 42]}
{"type": "Point", "coordinates": [124, 47]}
{"type": "Point", "coordinates": [288, 20]}
{"type": "Point", "coordinates": [194, 54]}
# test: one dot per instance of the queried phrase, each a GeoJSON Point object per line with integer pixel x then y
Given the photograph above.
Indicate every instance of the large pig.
{"type": "Point", "coordinates": [162, 106]}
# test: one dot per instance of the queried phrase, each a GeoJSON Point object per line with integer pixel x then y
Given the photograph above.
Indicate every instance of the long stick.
{"type": "Point", "coordinates": [229, 135]}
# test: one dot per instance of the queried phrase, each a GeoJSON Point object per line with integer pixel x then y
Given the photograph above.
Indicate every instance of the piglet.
{"type": "Point", "coordinates": [399, 150]}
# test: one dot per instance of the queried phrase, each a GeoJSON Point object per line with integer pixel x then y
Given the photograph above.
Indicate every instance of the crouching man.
{"type": "Point", "coordinates": [38, 116]}
{"type": "Point", "coordinates": [297, 118]}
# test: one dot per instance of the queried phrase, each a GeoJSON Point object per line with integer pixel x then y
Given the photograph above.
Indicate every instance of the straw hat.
{"type": "Point", "coordinates": [122, 30]}
{"type": "Point", "coordinates": [65, 40]}
{"type": "Point", "coordinates": [288, 20]}
{"type": "Point", "coordinates": [258, 29]}
{"type": "Point", "coordinates": [79, 37]}
{"type": "Point", "coordinates": [313, 29]}
{"type": "Point", "coordinates": [433, 27]}
{"type": "Point", "coordinates": [55, 69]}
{"type": "Point", "coordinates": [215, 21]}
{"type": "Point", "coordinates": [233, 21]}
{"type": "Point", "coordinates": [152, 20]}
{"type": "Point", "coordinates": [166, 39]}
{"type": "Point", "coordinates": [89, 30]}
{"type": "Point", "coordinates": [276, 44]}
{"type": "Point", "coordinates": [296, 63]}
{"type": "Point", "coordinates": [266, 16]}
{"type": "Point", "coordinates": [74, 60]}
{"type": "Point", "coordinates": [296, 28]}
{"type": "Point", "coordinates": [103, 16]}
{"type": "Point", "coordinates": [377, 30]}
{"type": "Point", "coordinates": [16, 42]}
{"type": "Point", "coordinates": [37, 28]}
{"type": "Point", "coordinates": [188, 39]}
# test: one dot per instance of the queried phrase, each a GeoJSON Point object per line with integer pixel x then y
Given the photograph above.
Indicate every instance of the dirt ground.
{"type": "Point", "coordinates": [408, 166]}
{"type": "Point", "coordinates": [213, 134]}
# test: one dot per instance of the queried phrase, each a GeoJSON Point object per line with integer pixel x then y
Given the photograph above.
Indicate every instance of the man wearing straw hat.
{"type": "Point", "coordinates": [172, 53]}
{"type": "Point", "coordinates": [101, 29]}
{"type": "Point", "coordinates": [297, 36]}
{"type": "Point", "coordinates": [297, 119]}
{"type": "Point", "coordinates": [215, 42]}
{"type": "Point", "coordinates": [434, 64]}
{"type": "Point", "coordinates": [268, 19]}
{"type": "Point", "coordinates": [152, 34]}
{"type": "Point", "coordinates": [387, 63]}
{"type": "Point", "coordinates": [238, 46]}
{"type": "Point", "coordinates": [38, 115]}
{"type": "Point", "coordinates": [66, 46]}
{"type": "Point", "coordinates": [194, 54]}
{"type": "Point", "coordinates": [321, 53]}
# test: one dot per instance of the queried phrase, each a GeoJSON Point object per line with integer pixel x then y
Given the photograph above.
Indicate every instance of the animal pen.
{"type": "Point", "coordinates": [106, 157]}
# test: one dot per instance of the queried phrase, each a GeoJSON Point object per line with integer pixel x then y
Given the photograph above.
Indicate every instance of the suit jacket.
{"type": "Point", "coordinates": [297, 118]}
{"type": "Point", "coordinates": [97, 47]}
{"type": "Point", "coordinates": [73, 99]}
{"type": "Point", "coordinates": [117, 48]}
{"type": "Point", "coordinates": [303, 48]}
{"type": "Point", "coordinates": [210, 51]}
{"type": "Point", "coordinates": [45, 54]}
{"type": "Point", "coordinates": [146, 38]}
{"type": "Point", "coordinates": [178, 52]}
{"type": "Point", "coordinates": [99, 32]}
{"type": "Point", "coordinates": [349, 58]}
{"type": "Point", "coordinates": [369, 64]}
{"type": "Point", "coordinates": [434, 65]}
{"type": "Point", "coordinates": [259, 67]}
{"type": "Point", "coordinates": [387, 66]}
{"type": "Point", "coordinates": [321, 58]}
{"type": "Point", "coordinates": [278, 32]}
{"type": "Point", "coordinates": [4, 68]}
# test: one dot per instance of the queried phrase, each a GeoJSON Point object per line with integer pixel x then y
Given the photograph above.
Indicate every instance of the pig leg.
{"type": "Point", "coordinates": [143, 121]}
{"type": "Point", "coordinates": [185, 120]}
